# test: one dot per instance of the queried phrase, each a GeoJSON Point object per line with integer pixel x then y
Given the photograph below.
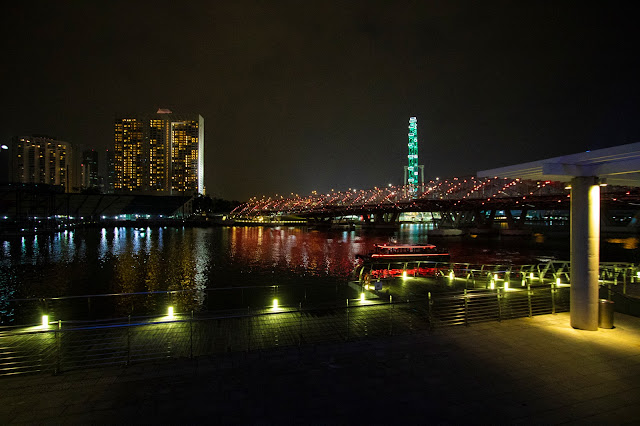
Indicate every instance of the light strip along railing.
{"type": "Point", "coordinates": [64, 346]}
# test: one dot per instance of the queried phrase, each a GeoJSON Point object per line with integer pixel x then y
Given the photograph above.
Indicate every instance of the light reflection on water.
{"type": "Point", "coordinates": [119, 260]}
{"type": "Point", "coordinates": [127, 260]}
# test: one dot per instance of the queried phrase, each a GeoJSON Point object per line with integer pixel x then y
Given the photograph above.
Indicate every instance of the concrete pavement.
{"type": "Point", "coordinates": [524, 371]}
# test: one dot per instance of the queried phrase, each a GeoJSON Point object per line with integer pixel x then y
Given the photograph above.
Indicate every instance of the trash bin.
{"type": "Point", "coordinates": [605, 313]}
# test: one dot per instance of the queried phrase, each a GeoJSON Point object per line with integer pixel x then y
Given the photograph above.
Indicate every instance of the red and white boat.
{"type": "Point", "coordinates": [405, 253]}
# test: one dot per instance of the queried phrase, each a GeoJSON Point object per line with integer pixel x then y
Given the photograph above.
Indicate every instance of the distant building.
{"type": "Point", "coordinates": [89, 169]}
{"type": "Point", "coordinates": [160, 153]}
{"type": "Point", "coordinates": [110, 172]}
{"type": "Point", "coordinates": [43, 159]}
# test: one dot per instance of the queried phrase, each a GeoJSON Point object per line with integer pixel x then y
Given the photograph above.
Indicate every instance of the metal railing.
{"type": "Point", "coordinates": [621, 276]}
{"type": "Point", "coordinates": [67, 345]}
{"type": "Point", "coordinates": [110, 305]}
{"type": "Point", "coordinates": [482, 275]}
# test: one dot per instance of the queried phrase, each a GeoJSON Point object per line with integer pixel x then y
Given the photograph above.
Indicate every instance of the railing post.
{"type": "Point", "coordinates": [191, 336]}
{"type": "Point", "coordinates": [347, 319]}
{"type": "Point", "coordinates": [390, 315]}
{"type": "Point", "coordinates": [499, 304]}
{"type": "Point", "coordinates": [466, 308]}
{"type": "Point", "coordinates": [248, 328]}
{"type": "Point", "coordinates": [553, 298]}
{"type": "Point", "coordinates": [129, 341]}
{"type": "Point", "coordinates": [429, 311]}
{"type": "Point", "coordinates": [609, 292]}
{"type": "Point", "coordinates": [300, 324]}
{"type": "Point", "coordinates": [58, 337]}
{"type": "Point", "coordinates": [529, 300]}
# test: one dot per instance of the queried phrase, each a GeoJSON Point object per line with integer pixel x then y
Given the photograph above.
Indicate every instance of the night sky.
{"type": "Point", "coordinates": [300, 96]}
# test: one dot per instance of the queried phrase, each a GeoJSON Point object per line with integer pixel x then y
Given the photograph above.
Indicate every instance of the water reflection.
{"type": "Point", "coordinates": [121, 260]}
{"type": "Point", "coordinates": [630, 243]}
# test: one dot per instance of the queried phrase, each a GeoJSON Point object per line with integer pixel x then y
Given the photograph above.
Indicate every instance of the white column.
{"type": "Point", "coordinates": [585, 251]}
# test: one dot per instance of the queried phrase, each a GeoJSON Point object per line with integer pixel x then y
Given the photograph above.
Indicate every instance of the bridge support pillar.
{"type": "Point", "coordinates": [585, 251]}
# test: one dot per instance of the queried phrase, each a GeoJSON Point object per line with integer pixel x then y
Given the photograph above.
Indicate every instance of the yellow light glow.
{"type": "Point", "coordinates": [451, 275]}
{"type": "Point", "coordinates": [506, 285]}
{"type": "Point", "coordinates": [524, 282]}
{"type": "Point", "coordinates": [531, 276]}
{"type": "Point", "coordinates": [275, 303]}
{"type": "Point", "coordinates": [495, 277]}
{"type": "Point", "coordinates": [404, 275]}
{"type": "Point", "coordinates": [492, 285]}
{"type": "Point", "coordinates": [45, 320]}
{"type": "Point", "coordinates": [170, 313]}
{"type": "Point", "coordinates": [557, 281]}
{"type": "Point", "coordinates": [362, 297]}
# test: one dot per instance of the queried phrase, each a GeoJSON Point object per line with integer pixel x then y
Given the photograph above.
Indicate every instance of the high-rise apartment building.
{"type": "Point", "coordinates": [43, 159]}
{"type": "Point", "coordinates": [161, 153]}
{"type": "Point", "coordinates": [129, 147]}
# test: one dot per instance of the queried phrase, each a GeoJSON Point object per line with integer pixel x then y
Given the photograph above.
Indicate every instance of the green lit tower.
{"type": "Point", "coordinates": [411, 170]}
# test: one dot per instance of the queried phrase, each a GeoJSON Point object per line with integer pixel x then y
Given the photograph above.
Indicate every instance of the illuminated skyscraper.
{"type": "Point", "coordinates": [43, 159]}
{"type": "Point", "coordinates": [162, 153]}
{"type": "Point", "coordinates": [187, 155]}
{"type": "Point", "coordinates": [128, 153]}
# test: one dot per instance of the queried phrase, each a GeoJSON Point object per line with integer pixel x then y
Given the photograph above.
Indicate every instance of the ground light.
{"type": "Point", "coordinates": [170, 314]}
{"type": "Point", "coordinates": [451, 275]}
{"type": "Point", "coordinates": [531, 276]}
{"type": "Point", "coordinates": [404, 275]}
{"type": "Point", "coordinates": [362, 297]}
{"type": "Point", "coordinates": [492, 285]}
{"type": "Point", "coordinates": [506, 285]}
{"type": "Point", "coordinates": [45, 321]}
{"type": "Point", "coordinates": [557, 281]}
{"type": "Point", "coordinates": [275, 303]}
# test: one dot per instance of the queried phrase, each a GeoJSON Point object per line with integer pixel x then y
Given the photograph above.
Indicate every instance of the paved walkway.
{"type": "Point", "coordinates": [532, 371]}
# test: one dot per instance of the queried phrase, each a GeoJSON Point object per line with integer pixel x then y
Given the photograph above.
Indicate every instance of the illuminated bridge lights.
{"type": "Point", "coordinates": [453, 192]}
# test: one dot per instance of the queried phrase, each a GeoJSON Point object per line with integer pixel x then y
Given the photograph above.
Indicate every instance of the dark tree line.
{"type": "Point", "coordinates": [206, 204]}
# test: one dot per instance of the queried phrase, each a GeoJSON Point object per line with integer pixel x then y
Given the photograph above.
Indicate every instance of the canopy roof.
{"type": "Point", "coordinates": [617, 165]}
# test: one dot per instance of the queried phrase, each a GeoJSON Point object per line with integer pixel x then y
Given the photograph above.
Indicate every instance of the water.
{"type": "Point", "coordinates": [128, 260]}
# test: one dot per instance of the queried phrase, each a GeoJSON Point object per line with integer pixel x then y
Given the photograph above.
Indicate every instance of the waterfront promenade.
{"type": "Point", "coordinates": [530, 370]}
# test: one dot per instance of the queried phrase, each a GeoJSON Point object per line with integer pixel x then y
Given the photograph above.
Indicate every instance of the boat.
{"type": "Point", "coordinates": [399, 260]}
{"type": "Point", "coordinates": [405, 253]}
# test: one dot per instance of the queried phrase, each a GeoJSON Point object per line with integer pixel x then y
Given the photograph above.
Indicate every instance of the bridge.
{"type": "Point", "coordinates": [473, 199]}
